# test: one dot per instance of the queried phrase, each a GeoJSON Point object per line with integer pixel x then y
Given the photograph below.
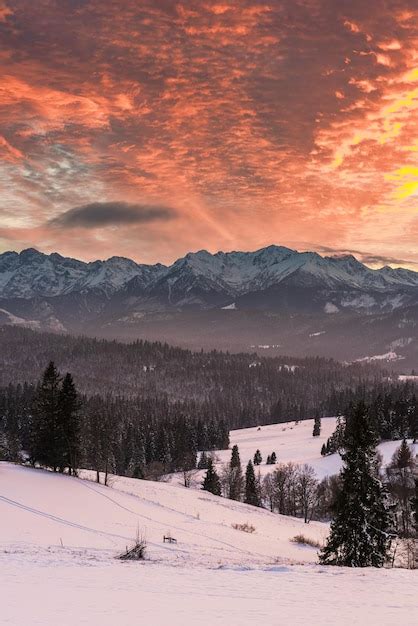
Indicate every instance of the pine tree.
{"type": "Point", "coordinates": [203, 461]}
{"type": "Point", "coordinates": [400, 484]}
{"type": "Point", "coordinates": [359, 531]}
{"type": "Point", "coordinates": [258, 458]}
{"type": "Point", "coordinates": [165, 453]}
{"type": "Point", "coordinates": [69, 422]}
{"type": "Point", "coordinates": [317, 426]}
{"type": "Point", "coordinates": [235, 475]}
{"type": "Point", "coordinates": [268, 462]}
{"type": "Point", "coordinates": [273, 458]}
{"type": "Point", "coordinates": [138, 459]}
{"type": "Point", "coordinates": [211, 481]}
{"type": "Point", "coordinates": [402, 458]}
{"type": "Point", "coordinates": [235, 460]}
{"type": "Point", "coordinates": [323, 450]}
{"type": "Point", "coordinates": [414, 508]}
{"type": "Point", "coordinates": [47, 435]}
{"type": "Point", "coordinates": [252, 492]}
{"type": "Point", "coordinates": [413, 419]}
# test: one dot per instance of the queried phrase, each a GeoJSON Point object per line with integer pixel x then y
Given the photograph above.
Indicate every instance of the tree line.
{"type": "Point", "coordinates": [242, 389]}
{"type": "Point", "coordinates": [50, 424]}
{"type": "Point", "coordinates": [393, 412]}
{"type": "Point", "coordinates": [290, 489]}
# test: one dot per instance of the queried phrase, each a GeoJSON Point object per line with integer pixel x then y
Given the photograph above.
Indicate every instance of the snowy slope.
{"type": "Point", "coordinates": [295, 443]}
{"type": "Point", "coordinates": [301, 303]}
{"type": "Point", "coordinates": [42, 509]}
{"type": "Point", "coordinates": [58, 537]}
{"type": "Point", "coordinates": [292, 442]}
{"type": "Point", "coordinates": [32, 273]}
{"type": "Point", "coordinates": [9, 318]}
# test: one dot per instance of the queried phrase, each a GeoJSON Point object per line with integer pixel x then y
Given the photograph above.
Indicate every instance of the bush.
{"type": "Point", "coordinates": [246, 528]}
{"type": "Point", "coordinates": [136, 552]}
{"type": "Point", "coordinates": [306, 541]}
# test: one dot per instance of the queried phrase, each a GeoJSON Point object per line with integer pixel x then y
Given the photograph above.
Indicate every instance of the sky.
{"type": "Point", "coordinates": [150, 128]}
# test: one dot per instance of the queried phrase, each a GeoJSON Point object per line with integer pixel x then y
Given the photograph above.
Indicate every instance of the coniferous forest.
{"type": "Point", "coordinates": [145, 409]}
{"type": "Point", "coordinates": [244, 389]}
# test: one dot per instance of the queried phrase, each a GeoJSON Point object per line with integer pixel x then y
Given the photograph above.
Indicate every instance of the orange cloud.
{"type": "Point", "coordinates": [5, 11]}
{"type": "Point", "coordinates": [280, 122]}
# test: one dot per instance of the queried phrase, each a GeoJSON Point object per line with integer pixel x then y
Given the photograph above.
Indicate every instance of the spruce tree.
{"type": "Point", "coordinates": [252, 493]}
{"type": "Point", "coordinates": [47, 435]}
{"type": "Point", "coordinates": [400, 484]}
{"type": "Point", "coordinates": [273, 458]}
{"type": "Point", "coordinates": [257, 458]}
{"type": "Point", "coordinates": [359, 531]}
{"type": "Point", "coordinates": [235, 475]}
{"type": "Point", "coordinates": [268, 462]}
{"type": "Point", "coordinates": [69, 423]}
{"type": "Point", "coordinates": [413, 419]}
{"type": "Point", "coordinates": [235, 460]}
{"type": "Point", "coordinates": [203, 461]}
{"type": "Point", "coordinates": [211, 481]}
{"type": "Point", "coordinates": [414, 508]}
{"type": "Point", "coordinates": [317, 426]}
{"type": "Point", "coordinates": [402, 458]}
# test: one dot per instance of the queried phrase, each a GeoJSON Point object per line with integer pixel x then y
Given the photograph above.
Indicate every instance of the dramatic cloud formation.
{"type": "Point", "coordinates": [99, 214]}
{"type": "Point", "coordinates": [365, 257]}
{"type": "Point", "coordinates": [258, 122]}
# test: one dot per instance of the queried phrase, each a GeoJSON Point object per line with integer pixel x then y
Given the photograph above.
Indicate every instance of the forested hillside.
{"type": "Point", "coordinates": [242, 389]}
{"type": "Point", "coordinates": [145, 409]}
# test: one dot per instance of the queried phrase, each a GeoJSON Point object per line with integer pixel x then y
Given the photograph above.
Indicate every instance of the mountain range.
{"type": "Point", "coordinates": [272, 300]}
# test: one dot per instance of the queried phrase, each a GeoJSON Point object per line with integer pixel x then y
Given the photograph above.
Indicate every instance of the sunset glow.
{"type": "Point", "coordinates": [204, 124]}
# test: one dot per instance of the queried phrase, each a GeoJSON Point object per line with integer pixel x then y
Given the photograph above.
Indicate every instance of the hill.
{"type": "Point", "coordinates": [293, 442]}
{"type": "Point", "coordinates": [242, 389]}
{"type": "Point", "coordinates": [60, 536]}
{"type": "Point", "coordinates": [42, 508]}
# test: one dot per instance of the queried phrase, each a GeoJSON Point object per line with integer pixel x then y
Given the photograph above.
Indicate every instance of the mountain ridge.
{"type": "Point", "coordinates": [299, 302]}
{"type": "Point", "coordinates": [233, 272]}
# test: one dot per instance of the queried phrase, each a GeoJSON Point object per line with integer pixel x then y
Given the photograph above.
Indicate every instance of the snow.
{"type": "Point", "coordinates": [387, 356]}
{"type": "Point", "coordinates": [43, 509]}
{"type": "Point", "coordinates": [290, 441]}
{"type": "Point", "coordinates": [402, 342]}
{"type": "Point", "coordinates": [64, 594]}
{"type": "Point", "coordinates": [293, 442]}
{"type": "Point", "coordinates": [14, 320]}
{"type": "Point", "coordinates": [59, 536]}
{"type": "Point", "coordinates": [32, 273]}
{"type": "Point", "coordinates": [360, 302]}
{"type": "Point", "coordinates": [330, 308]}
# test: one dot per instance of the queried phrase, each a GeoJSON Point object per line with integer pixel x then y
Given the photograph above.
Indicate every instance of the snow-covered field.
{"type": "Point", "coordinates": [43, 509]}
{"type": "Point", "coordinates": [59, 537]}
{"type": "Point", "coordinates": [113, 594]}
{"type": "Point", "coordinates": [292, 443]}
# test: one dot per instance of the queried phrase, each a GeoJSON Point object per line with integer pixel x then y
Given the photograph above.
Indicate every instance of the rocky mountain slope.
{"type": "Point", "coordinates": [297, 302]}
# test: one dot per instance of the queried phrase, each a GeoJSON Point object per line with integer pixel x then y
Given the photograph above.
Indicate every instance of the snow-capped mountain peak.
{"type": "Point", "coordinates": [195, 276]}
{"type": "Point", "coordinates": [31, 273]}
